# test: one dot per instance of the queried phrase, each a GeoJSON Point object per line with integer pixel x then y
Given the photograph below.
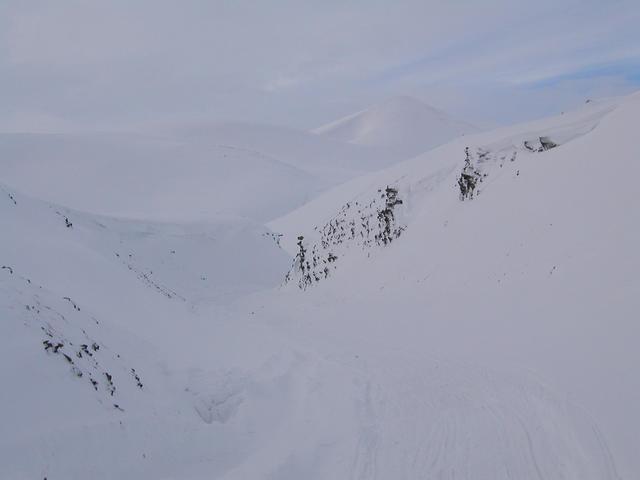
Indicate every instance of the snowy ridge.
{"type": "Point", "coordinates": [318, 155]}
{"type": "Point", "coordinates": [421, 175]}
{"type": "Point", "coordinates": [400, 123]}
{"type": "Point", "coordinates": [520, 274]}
{"type": "Point", "coordinates": [376, 219]}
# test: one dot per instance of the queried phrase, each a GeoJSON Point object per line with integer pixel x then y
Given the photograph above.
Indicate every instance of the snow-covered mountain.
{"type": "Point", "coordinates": [425, 333]}
{"type": "Point", "coordinates": [153, 177]}
{"type": "Point", "coordinates": [193, 172]}
{"type": "Point", "coordinates": [536, 271]}
{"type": "Point", "coordinates": [402, 124]}
{"type": "Point", "coordinates": [319, 155]}
{"type": "Point", "coordinates": [184, 174]}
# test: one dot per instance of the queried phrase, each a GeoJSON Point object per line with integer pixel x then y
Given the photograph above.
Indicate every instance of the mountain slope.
{"type": "Point", "coordinates": [403, 124]}
{"type": "Point", "coordinates": [535, 272]}
{"type": "Point", "coordinates": [101, 321]}
{"type": "Point", "coordinates": [485, 337]}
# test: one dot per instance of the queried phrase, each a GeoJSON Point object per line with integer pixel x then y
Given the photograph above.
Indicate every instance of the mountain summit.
{"type": "Point", "coordinates": [399, 123]}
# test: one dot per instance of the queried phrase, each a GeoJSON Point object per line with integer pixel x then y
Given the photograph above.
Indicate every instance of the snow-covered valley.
{"type": "Point", "coordinates": [213, 304]}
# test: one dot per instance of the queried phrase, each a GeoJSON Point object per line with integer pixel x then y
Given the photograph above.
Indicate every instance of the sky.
{"type": "Point", "coordinates": [78, 65]}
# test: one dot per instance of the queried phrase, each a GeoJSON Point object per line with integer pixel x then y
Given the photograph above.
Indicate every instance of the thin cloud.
{"type": "Point", "coordinates": [300, 63]}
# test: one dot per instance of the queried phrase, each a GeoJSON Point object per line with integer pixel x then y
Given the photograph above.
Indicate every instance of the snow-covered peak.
{"type": "Point", "coordinates": [402, 123]}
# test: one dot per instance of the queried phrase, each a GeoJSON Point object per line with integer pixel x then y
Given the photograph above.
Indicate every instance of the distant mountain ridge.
{"type": "Point", "coordinates": [185, 173]}
{"type": "Point", "coordinates": [402, 123]}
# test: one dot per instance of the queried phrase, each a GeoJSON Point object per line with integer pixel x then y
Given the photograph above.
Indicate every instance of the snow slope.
{"type": "Point", "coordinates": [402, 124]}
{"type": "Point", "coordinates": [501, 143]}
{"type": "Point", "coordinates": [109, 330]}
{"type": "Point", "coordinates": [96, 312]}
{"type": "Point", "coordinates": [536, 272]}
{"type": "Point", "coordinates": [486, 338]}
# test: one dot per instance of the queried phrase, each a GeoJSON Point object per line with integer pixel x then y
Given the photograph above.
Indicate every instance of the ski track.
{"type": "Point", "coordinates": [456, 422]}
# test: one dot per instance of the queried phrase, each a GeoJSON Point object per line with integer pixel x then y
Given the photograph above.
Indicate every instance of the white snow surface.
{"type": "Point", "coordinates": [402, 124]}
{"type": "Point", "coordinates": [493, 338]}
